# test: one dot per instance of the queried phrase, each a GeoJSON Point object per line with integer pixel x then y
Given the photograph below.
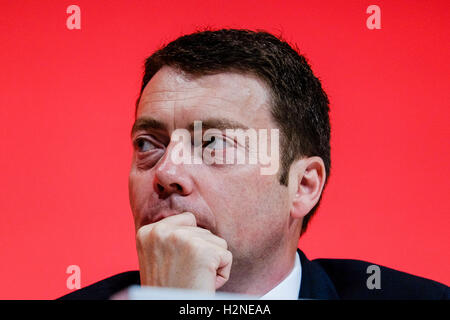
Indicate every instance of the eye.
{"type": "Point", "coordinates": [216, 143]}
{"type": "Point", "coordinates": [143, 145]}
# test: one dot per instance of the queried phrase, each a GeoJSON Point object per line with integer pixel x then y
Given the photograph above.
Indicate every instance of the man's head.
{"type": "Point", "coordinates": [231, 78]}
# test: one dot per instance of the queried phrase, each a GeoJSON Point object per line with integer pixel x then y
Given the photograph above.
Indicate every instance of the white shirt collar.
{"type": "Point", "coordinates": [289, 288]}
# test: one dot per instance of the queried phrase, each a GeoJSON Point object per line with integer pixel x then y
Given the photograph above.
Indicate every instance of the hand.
{"type": "Point", "coordinates": [174, 252]}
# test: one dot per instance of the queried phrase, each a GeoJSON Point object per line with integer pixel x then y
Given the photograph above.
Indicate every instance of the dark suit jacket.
{"type": "Point", "coordinates": [321, 279]}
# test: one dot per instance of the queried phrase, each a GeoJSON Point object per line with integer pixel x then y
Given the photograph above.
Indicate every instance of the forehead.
{"type": "Point", "coordinates": [177, 100]}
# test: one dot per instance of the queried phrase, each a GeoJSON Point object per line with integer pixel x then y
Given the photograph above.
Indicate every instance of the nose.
{"type": "Point", "coordinates": [171, 178]}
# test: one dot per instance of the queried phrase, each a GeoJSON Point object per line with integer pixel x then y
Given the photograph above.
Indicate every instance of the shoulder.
{"type": "Point", "coordinates": [104, 289]}
{"type": "Point", "coordinates": [351, 277]}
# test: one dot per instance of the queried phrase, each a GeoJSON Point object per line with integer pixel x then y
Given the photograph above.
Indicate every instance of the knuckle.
{"type": "Point", "coordinates": [212, 265]}
{"type": "Point", "coordinates": [142, 234]}
{"type": "Point", "coordinates": [224, 243]}
{"type": "Point", "coordinates": [191, 218]}
{"type": "Point", "coordinates": [197, 247]}
{"type": "Point", "coordinates": [229, 255]}
{"type": "Point", "coordinates": [225, 256]}
{"type": "Point", "coordinates": [177, 235]}
{"type": "Point", "coordinates": [159, 230]}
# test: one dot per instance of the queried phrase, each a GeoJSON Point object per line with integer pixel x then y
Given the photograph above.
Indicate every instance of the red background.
{"type": "Point", "coordinates": [66, 110]}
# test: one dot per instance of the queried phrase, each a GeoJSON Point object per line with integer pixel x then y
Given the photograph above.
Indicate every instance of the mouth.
{"type": "Point", "coordinates": [159, 210]}
{"type": "Point", "coordinates": [162, 215]}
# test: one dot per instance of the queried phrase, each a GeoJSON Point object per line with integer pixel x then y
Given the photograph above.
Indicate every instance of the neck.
{"type": "Point", "coordinates": [262, 274]}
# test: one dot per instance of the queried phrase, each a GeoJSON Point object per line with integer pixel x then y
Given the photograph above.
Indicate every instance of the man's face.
{"type": "Point", "coordinates": [234, 201]}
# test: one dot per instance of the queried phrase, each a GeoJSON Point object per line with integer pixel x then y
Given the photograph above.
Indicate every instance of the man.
{"type": "Point", "coordinates": [225, 226]}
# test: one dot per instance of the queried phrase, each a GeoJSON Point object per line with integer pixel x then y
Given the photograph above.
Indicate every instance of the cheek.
{"type": "Point", "coordinates": [139, 190]}
{"type": "Point", "coordinates": [250, 206]}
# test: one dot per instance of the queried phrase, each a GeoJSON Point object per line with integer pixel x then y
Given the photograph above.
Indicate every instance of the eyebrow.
{"type": "Point", "coordinates": [146, 124]}
{"type": "Point", "coordinates": [220, 124]}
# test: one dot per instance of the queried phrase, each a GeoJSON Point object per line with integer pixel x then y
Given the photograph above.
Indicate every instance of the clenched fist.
{"type": "Point", "coordinates": [174, 252]}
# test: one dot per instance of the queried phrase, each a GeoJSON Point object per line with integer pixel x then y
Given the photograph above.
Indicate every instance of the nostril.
{"type": "Point", "coordinates": [176, 186]}
{"type": "Point", "coordinates": [160, 188]}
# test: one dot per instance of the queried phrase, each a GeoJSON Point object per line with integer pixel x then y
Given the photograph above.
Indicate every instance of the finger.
{"type": "Point", "coordinates": [181, 219]}
{"type": "Point", "coordinates": [203, 234]}
{"type": "Point", "coordinates": [195, 229]}
{"type": "Point", "coordinates": [211, 238]}
{"type": "Point", "coordinates": [223, 272]}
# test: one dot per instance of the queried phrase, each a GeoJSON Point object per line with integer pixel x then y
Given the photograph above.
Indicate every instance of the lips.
{"type": "Point", "coordinates": [159, 209]}
{"type": "Point", "coordinates": [158, 215]}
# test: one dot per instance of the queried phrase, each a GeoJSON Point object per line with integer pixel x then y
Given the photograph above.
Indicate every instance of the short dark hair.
{"type": "Point", "coordinates": [300, 106]}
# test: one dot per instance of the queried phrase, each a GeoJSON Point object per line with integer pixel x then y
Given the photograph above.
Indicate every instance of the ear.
{"type": "Point", "coordinates": [306, 181]}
